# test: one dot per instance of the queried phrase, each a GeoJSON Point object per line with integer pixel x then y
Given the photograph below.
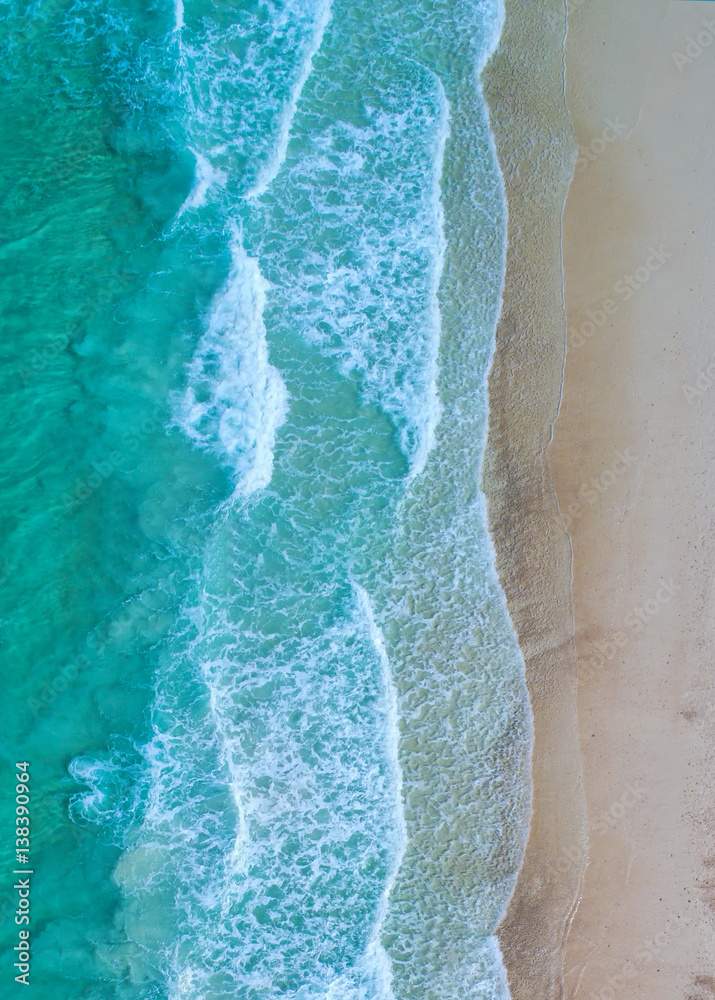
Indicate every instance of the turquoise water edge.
{"type": "Point", "coordinates": [255, 651]}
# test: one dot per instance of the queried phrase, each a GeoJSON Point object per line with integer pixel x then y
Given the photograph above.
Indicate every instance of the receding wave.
{"type": "Point", "coordinates": [236, 400]}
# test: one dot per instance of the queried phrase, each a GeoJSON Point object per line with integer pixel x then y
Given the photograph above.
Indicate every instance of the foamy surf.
{"type": "Point", "coordinates": [366, 288]}
{"type": "Point", "coordinates": [270, 170]}
{"type": "Point", "coordinates": [427, 410]}
{"type": "Point", "coordinates": [264, 838]}
{"type": "Point", "coordinates": [235, 400]}
{"type": "Point", "coordinates": [376, 958]}
{"type": "Point", "coordinates": [206, 176]}
{"type": "Point", "coordinates": [318, 818]}
{"type": "Point", "coordinates": [178, 15]}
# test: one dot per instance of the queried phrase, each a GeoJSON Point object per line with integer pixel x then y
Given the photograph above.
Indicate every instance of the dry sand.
{"type": "Point", "coordinates": [626, 571]}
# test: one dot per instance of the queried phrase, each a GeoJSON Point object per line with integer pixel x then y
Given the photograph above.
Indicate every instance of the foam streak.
{"type": "Point", "coordinates": [270, 171]}
{"type": "Point", "coordinates": [431, 410]}
{"type": "Point", "coordinates": [178, 15]}
{"type": "Point", "coordinates": [375, 955]}
{"type": "Point", "coordinates": [236, 400]}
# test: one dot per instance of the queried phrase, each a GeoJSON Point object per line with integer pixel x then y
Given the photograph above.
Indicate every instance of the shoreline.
{"type": "Point", "coordinates": [524, 87]}
{"type": "Point", "coordinates": [597, 476]}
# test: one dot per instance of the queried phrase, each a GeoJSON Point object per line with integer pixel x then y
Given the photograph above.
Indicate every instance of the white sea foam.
{"type": "Point", "coordinates": [427, 411]}
{"type": "Point", "coordinates": [178, 15]}
{"type": "Point", "coordinates": [493, 16]}
{"type": "Point", "coordinates": [270, 170]}
{"type": "Point", "coordinates": [376, 957]}
{"type": "Point", "coordinates": [318, 788]}
{"type": "Point", "coordinates": [236, 400]}
{"type": "Point", "coordinates": [275, 806]}
{"type": "Point", "coordinates": [114, 790]}
{"type": "Point", "coordinates": [206, 176]}
{"type": "Point", "coordinates": [238, 859]}
{"type": "Point", "coordinates": [367, 288]}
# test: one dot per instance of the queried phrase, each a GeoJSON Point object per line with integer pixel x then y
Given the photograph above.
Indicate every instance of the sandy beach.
{"type": "Point", "coordinates": [600, 483]}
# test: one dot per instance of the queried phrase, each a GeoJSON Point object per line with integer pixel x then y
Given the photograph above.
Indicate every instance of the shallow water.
{"type": "Point", "coordinates": [257, 653]}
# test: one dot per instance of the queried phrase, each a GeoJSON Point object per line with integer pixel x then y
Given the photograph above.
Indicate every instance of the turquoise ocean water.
{"type": "Point", "coordinates": [253, 644]}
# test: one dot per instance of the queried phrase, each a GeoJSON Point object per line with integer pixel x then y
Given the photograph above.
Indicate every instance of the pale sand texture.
{"type": "Point", "coordinates": [644, 927]}
{"type": "Point", "coordinates": [524, 84]}
{"type": "Point", "coordinates": [643, 544]}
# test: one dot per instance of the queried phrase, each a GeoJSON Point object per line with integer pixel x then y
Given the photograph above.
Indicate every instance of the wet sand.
{"type": "Point", "coordinates": [604, 531]}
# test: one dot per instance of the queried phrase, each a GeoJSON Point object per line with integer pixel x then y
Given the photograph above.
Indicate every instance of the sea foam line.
{"type": "Point", "coordinates": [269, 172]}
{"type": "Point", "coordinates": [432, 404]}
{"type": "Point", "coordinates": [205, 176]}
{"type": "Point", "coordinates": [492, 41]}
{"type": "Point", "coordinates": [375, 955]}
{"type": "Point", "coordinates": [239, 856]}
{"type": "Point", "coordinates": [178, 15]}
{"type": "Point", "coordinates": [236, 400]}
